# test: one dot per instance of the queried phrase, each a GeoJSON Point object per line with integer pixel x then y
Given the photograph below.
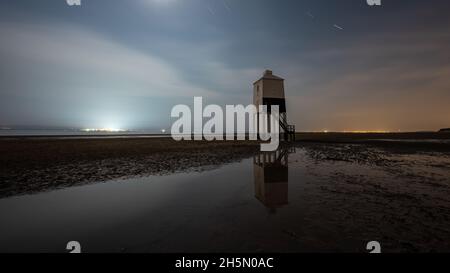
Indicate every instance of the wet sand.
{"type": "Point", "coordinates": [334, 194]}
{"type": "Point", "coordinates": [395, 194]}
{"type": "Point", "coordinates": [32, 165]}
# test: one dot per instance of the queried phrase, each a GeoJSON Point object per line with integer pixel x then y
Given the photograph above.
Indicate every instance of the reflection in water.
{"type": "Point", "coordinates": [333, 207]}
{"type": "Point", "coordinates": [271, 176]}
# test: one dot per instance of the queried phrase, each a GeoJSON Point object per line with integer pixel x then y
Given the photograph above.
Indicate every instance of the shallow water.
{"type": "Point", "coordinates": [276, 202]}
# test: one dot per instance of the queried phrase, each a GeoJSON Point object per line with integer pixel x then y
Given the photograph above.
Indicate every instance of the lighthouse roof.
{"type": "Point", "coordinates": [268, 75]}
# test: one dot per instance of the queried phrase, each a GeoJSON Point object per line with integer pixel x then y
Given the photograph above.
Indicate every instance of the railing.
{"type": "Point", "coordinates": [288, 129]}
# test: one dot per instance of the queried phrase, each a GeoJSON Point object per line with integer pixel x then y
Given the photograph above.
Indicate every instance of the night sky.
{"type": "Point", "coordinates": [124, 64]}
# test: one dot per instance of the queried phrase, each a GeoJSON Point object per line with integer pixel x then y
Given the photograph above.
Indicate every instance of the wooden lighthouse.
{"type": "Point", "coordinates": [269, 90]}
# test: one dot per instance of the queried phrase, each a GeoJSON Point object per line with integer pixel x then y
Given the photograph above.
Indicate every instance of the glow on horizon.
{"type": "Point", "coordinates": [103, 130]}
{"type": "Point", "coordinates": [368, 132]}
{"type": "Point", "coordinates": [358, 131]}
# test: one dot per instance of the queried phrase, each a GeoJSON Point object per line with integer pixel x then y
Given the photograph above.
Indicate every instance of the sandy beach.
{"type": "Point", "coordinates": [37, 164]}
{"type": "Point", "coordinates": [334, 193]}
{"type": "Point", "coordinates": [30, 165]}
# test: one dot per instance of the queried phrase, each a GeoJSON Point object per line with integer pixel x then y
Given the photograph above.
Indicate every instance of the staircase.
{"type": "Point", "coordinates": [289, 130]}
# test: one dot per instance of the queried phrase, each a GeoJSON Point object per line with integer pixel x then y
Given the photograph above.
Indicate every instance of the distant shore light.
{"type": "Point", "coordinates": [103, 130]}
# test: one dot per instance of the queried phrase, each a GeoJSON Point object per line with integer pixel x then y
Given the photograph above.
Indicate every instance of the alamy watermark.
{"type": "Point", "coordinates": [374, 247]}
{"type": "Point", "coordinates": [73, 247]}
{"type": "Point", "coordinates": [237, 122]}
{"type": "Point", "coordinates": [73, 2]}
{"type": "Point", "coordinates": [374, 2]}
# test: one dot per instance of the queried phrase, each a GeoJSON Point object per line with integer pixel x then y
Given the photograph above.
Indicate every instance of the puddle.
{"type": "Point", "coordinates": [274, 202]}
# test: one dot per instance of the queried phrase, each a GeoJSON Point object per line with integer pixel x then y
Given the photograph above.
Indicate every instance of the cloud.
{"type": "Point", "coordinates": [67, 75]}
{"type": "Point", "coordinates": [87, 55]}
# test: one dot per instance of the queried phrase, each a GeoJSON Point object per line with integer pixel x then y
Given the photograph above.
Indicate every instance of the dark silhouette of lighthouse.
{"type": "Point", "coordinates": [271, 178]}
{"type": "Point", "coordinates": [269, 90]}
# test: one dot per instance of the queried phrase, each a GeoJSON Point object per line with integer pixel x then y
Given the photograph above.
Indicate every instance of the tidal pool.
{"type": "Point", "coordinates": [286, 201]}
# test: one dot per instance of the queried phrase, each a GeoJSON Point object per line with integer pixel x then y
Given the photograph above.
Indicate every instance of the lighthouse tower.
{"type": "Point", "coordinates": [269, 90]}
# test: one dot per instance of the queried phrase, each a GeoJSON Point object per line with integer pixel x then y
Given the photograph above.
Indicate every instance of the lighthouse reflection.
{"type": "Point", "coordinates": [271, 177]}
